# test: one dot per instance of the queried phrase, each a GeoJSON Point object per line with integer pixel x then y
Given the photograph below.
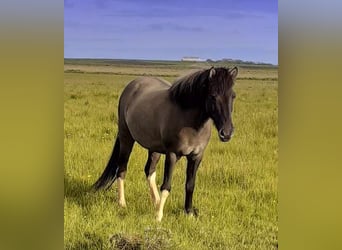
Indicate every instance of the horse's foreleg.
{"type": "Point", "coordinates": [170, 162]}
{"type": "Point", "coordinates": [192, 166]}
{"type": "Point", "coordinates": [125, 151]}
{"type": "Point", "coordinates": [150, 171]}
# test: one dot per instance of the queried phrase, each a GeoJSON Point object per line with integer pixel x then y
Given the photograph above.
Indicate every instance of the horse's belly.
{"type": "Point", "coordinates": [148, 140]}
{"type": "Point", "coordinates": [144, 114]}
{"type": "Point", "coordinates": [145, 130]}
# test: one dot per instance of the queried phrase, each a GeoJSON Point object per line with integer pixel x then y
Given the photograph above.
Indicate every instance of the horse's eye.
{"type": "Point", "coordinates": [213, 97]}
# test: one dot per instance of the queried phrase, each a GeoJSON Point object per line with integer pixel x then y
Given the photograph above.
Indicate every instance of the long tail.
{"type": "Point", "coordinates": [109, 174]}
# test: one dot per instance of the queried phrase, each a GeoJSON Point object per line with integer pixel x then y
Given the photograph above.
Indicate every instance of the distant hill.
{"type": "Point", "coordinates": [239, 62]}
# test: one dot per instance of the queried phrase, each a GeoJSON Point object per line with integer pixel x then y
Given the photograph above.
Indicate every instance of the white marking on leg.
{"type": "Point", "coordinates": [121, 191]}
{"type": "Point", "coordinates": [151, 179]}
{"type": "Point", "coordinates": [160, 208]}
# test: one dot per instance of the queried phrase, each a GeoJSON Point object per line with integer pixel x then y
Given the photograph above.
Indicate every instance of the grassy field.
{"type": "Point", "coordinates": [236, 188]}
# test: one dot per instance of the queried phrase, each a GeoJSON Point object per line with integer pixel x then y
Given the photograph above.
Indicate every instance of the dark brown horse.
{"type": "Point", "coordinates": [173, 120]}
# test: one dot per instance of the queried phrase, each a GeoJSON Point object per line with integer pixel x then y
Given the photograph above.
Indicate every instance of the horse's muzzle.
{"type": "Point", "coordinates": [225, 137]}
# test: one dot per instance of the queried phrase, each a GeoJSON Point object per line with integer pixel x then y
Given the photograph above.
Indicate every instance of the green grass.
{"type": "Point", "coordinates": [236, 187]}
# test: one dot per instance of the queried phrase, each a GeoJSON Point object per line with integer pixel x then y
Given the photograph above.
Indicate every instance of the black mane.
{"type": "Point", "coordinates": [192, 90]}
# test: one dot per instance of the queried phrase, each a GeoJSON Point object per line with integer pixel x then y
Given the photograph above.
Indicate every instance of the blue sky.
{"type": "Point", "coordinates": [162, 29]}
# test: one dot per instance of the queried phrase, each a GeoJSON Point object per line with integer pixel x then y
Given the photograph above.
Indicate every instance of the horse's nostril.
{"type": "Point", "coordinates": [224, 135]}
{"type": "Point", "coordinates": [221, 133]}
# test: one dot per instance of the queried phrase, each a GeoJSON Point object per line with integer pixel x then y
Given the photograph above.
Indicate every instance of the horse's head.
{"type": "Point", "coordinates": [220, 98]}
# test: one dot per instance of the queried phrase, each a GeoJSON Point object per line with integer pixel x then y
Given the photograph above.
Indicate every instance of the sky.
{"type": "Point", "coordinates": [171, 29]}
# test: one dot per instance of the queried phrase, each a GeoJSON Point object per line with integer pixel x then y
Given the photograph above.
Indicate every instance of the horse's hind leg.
{"type": "Point", "coordinates": [150, 171]}
{"type": "Point", "coordinates": [126, 145]}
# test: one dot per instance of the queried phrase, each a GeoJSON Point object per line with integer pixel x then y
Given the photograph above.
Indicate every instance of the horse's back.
{"type": "Point", "coordinates": [145, 84]}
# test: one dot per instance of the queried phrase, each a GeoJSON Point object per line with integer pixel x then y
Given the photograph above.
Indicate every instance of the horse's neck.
{"type": "Point", "coordinates": [197, 117]}
{"type": "Point", "coordinates": [191, 108]}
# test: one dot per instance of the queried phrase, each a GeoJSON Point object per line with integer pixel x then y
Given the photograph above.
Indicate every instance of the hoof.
{"type": "Point", "coordinates": [159, 217]}
{"type": "Point", "coordinates": [122, 204]}
{"type": "Point", "coordinates": [192, 212]}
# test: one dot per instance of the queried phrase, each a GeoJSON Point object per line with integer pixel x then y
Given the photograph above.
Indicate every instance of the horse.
{"type": "Point", "coordinates": [171, 119]}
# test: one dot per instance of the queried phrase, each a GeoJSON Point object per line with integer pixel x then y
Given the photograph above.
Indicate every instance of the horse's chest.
{"type": "Point", "coordinates": [192, 141]}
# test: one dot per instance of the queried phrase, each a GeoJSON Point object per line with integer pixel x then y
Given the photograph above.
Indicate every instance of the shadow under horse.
{"type": "Point", "coordinates": [173, 120]}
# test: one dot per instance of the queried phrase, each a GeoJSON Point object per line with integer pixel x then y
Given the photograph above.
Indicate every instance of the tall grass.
{"type": "Point", "coordinates": [236, 187]}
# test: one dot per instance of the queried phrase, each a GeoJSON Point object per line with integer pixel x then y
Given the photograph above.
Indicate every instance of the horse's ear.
{"type": "Point", "coordinates": [234, 72]}
{"type": "Point", "coordinates": [212, 72]}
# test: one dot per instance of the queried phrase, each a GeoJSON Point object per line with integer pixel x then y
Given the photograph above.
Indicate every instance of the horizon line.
{"type": "Point", "coordinates": [173, 60]}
